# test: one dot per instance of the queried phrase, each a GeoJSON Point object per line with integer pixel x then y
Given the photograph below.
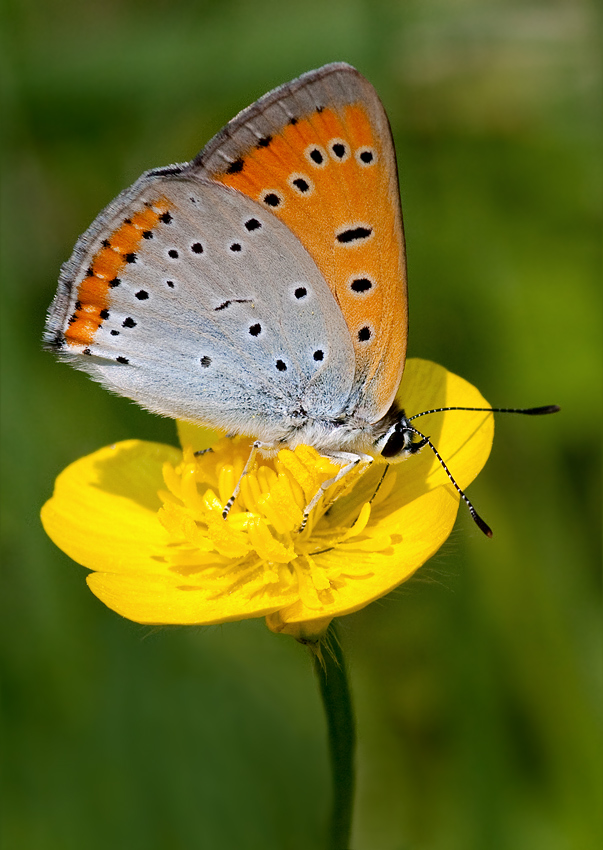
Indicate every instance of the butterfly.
{"type": "Point", "coordinates": [259, 289]}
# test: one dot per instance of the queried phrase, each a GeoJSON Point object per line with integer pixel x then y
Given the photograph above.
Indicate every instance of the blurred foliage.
{"type": "Point", "coordinates": [477, 683]}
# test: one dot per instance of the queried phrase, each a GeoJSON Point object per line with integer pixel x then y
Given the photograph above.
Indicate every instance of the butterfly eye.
{"type": "Point", "coordinates": [399, 442]}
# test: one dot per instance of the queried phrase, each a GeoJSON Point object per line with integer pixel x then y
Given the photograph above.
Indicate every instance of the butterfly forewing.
{"type": "Point", "coordinates": [317, 153]}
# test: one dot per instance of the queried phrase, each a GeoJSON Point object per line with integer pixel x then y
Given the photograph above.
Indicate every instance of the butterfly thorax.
{"type": "Point", "coordinates": [391, 437]}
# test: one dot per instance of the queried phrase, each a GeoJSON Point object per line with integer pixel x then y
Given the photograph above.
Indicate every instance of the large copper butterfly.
{"type": "Point", "coordinates": [261, 288]}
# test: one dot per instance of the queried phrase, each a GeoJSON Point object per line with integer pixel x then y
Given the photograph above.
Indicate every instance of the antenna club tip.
{"type": "Point", "coordinates": [483, 526]}
{"type": "Point", "coordinates": [541, 411]}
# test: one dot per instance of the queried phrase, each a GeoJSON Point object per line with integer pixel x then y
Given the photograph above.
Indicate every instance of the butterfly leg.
{"type": "Point", "coordinates": [257, 445]}
{"type": "Point", "coordinates": [349, 461]}
{"type": "Point", "coordinates": [201, 452]}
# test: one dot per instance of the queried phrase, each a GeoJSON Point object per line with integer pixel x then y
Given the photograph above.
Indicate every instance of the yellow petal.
{"type": "Point", "coordinates": [171, 599]}
{"type": "Point", "coordinates": [103, 512]}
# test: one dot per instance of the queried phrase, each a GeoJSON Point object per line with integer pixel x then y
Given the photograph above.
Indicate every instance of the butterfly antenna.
{"type": "Point", "coordinates": [483, 526]}
{"type": "Point", "coordinates": [528, 411]}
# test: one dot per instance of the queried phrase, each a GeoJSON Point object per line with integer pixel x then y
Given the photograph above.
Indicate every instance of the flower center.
{"type": "Point", "coordinates": [259, 547]}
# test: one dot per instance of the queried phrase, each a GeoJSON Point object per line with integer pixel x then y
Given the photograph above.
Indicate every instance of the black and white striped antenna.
{"type": "Point", "coordinates": [529, 411]}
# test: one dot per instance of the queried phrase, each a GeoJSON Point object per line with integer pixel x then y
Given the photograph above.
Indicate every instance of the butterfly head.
{"type": "Point", "coordinates": [397, 438]}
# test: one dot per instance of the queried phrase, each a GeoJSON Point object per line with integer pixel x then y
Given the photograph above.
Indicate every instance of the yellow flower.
{"type": "Point", "coordinates": [147, 518]}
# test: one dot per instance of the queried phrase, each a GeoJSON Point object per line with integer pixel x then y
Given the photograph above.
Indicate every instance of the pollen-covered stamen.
{"type": "Point", "coordinates": [258, 549]}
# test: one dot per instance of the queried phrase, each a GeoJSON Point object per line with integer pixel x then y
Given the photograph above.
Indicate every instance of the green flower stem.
{"type": "Point", "coordinates": [335, 691]}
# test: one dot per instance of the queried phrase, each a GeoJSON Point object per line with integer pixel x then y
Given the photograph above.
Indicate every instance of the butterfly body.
{"type": "Point", "coordinates": [259, 289]}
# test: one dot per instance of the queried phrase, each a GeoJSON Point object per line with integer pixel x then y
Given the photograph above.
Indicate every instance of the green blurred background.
{"type": "Point", "coordinates": [476, 684]}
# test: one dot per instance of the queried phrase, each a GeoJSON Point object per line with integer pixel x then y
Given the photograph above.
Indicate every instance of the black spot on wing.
{"type": "Point", "coordinates": [236, 166]}
{"type": "Point", "coordinates": [361, 284]}
{"type": "Point", "coordinates": [271, 199]}
{"type": "Point", "coordinates": [226, 304]}
{"type": "Point", "coordinates": [302, 185]}
{"type": "Point", "coordinates": [354, 234]}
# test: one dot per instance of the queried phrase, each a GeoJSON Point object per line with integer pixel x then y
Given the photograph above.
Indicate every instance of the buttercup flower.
{"type": "Point", "coordinates": [147, 519]}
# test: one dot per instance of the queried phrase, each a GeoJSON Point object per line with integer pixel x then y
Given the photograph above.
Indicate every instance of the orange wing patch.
{"type": "Point", "coordinates": [93, 292]}
{"type": "Point", "coordinates": [328, 178]}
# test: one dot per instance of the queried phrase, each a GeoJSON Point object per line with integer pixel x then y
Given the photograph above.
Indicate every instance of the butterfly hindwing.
{"type": "Point", "coordinates": [198, 303]}
{"type": "Point", "coordinates": [318, 154]}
